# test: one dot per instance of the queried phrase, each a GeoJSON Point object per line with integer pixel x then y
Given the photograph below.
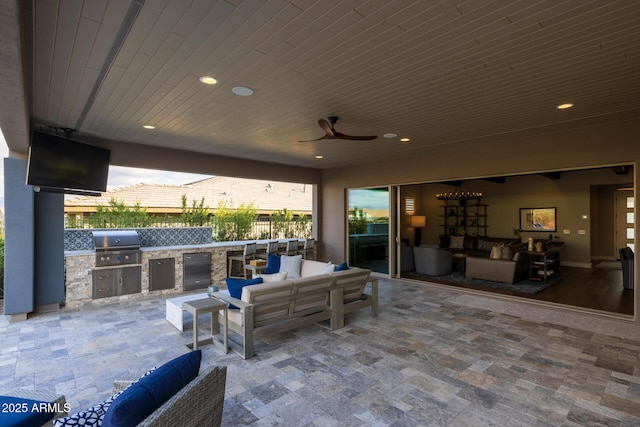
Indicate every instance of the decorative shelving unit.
{"type": "Point", "coordinates": [460, 217]}
{"type": "Point", "coordinates": [545, 264]}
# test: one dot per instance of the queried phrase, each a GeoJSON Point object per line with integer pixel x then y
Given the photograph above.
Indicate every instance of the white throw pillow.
{"type": "Point", "coordinates": [276, 277]}
{"type": "Point", "coordinates": [292, 265]}
{"type": "Point", "coordinates": [496, 252]}
{"type": "Point", "coordinates": [328, 268]}
{"type": "Point", "coordinates": [457, 242]}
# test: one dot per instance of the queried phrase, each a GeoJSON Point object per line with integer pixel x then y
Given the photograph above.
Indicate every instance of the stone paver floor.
{"type": "Point", "coordinates": [425, 361]}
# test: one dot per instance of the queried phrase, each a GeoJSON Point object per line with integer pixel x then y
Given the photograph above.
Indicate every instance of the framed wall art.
{"type": "Point", "coordinates": [538, 219]}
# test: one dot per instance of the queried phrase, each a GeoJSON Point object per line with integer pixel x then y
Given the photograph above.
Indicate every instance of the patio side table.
{"type": "Point", "coordinates": [256, 269]}
{"type": "Point", "coordinates": [211, 306]}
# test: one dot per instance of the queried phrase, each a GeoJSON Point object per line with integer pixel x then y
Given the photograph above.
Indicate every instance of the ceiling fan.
{"type": "Point", "coordinates": [331, 133]}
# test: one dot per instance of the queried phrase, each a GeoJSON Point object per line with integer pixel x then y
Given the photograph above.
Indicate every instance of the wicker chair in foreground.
{"type": "Point", "coordinates": [199, 403]}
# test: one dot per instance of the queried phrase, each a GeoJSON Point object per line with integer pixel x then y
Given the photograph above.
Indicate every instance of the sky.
{"type": "Point", "coordinates": [118, 176]}
{"type": "Point", "coordinates": [369, 200]}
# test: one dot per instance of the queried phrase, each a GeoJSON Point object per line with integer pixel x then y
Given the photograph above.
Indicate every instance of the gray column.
{"type": "Point", "coordinates": [19, 243]}
{"type": "Point", "coordinates": [49, 249]}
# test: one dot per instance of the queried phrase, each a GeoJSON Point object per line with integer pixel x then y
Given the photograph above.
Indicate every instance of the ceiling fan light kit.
{"type": "Point", "coordinates": [331, 133]}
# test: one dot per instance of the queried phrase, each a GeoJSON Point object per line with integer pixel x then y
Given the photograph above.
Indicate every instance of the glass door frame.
{"type": "Point", "coordinates": [391, 249]}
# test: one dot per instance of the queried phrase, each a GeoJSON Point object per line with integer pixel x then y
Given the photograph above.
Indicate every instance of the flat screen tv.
{"type": "Point", "coordinates": [62, 165]}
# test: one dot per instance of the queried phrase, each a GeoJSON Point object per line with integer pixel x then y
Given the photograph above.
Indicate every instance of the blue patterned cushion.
{"type": "Point", "coordinates": [91, 417]}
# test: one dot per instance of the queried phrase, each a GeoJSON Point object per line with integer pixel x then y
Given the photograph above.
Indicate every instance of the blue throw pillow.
{"type": "Point", "coordinates": [235, 287]}
{"type": "Point", "coordinates": [145, 396]}
{"type": "Point", "coordinates": [341, 267]}
{"type": "Point", "coordinates": [273, 264]}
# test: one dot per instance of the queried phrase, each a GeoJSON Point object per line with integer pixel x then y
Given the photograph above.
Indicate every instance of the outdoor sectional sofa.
{"type": "Point", "coordinates": [282, 305]}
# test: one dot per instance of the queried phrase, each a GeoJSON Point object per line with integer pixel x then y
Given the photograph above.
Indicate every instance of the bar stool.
{"type": "Point", "coordinates": [247, 255]}
{"type": "Point", "coordinates": [272, 249]}
{"type": "Point", "coordinates": [291, 248]}
{"type": "Point", "coordinates": [307, 249]}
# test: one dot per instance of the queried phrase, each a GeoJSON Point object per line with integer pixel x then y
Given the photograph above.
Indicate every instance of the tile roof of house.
{"type": "Point", "coordinates": [267, 196]}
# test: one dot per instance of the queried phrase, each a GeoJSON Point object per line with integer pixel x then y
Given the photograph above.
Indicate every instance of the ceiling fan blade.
{"type": "Point", "coordinates": [317, 139]}
{"type": "Point", "coordinates": [326, 127]}
{"type": "Point", "coordinates": [354, 138]}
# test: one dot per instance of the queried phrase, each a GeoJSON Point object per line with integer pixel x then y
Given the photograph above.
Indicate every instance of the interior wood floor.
{"type": "Point", "coordinates": [592, 288]}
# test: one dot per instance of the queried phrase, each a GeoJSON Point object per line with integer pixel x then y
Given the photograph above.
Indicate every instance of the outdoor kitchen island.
{"type": "Point", "coordinates": [155, 263]}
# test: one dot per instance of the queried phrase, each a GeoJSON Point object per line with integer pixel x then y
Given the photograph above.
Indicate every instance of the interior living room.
{"type": "Point", "coordinates": [532, 104]}
{"type": "Point", "coordinates": [587, 203]}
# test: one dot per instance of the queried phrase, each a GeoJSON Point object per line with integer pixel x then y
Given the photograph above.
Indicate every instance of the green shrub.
{"type": "Point", "coordinates": [197, 215]}
{"type": "Point", "coordinates": [118, 215]}
{"type": "Point", "coordinates": [357, 221]}
{"type": "Point", "coordinates": [234, 224]}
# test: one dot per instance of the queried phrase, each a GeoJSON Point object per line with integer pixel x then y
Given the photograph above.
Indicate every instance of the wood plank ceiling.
{"type": "Point", "coordinates": [438, 72]}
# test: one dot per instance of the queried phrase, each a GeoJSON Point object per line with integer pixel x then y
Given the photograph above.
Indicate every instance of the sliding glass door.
{"type": "Point", "coordinates": [368, 220]}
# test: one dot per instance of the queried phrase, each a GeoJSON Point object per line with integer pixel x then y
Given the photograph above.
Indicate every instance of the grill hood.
{"type": "Point", "coordinates": [112, 240]}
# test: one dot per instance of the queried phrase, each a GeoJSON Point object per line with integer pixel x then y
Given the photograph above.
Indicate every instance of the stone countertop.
{"type": "Point", "coordinates": [79, 253]}
{"type": "Point", "coordinates": [181, 247]}
{"type": "Point", "coordinates": [208, 245]}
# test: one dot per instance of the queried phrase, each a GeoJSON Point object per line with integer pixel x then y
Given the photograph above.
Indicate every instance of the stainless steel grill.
{"type": "Point", "coordinates": [116, 247]}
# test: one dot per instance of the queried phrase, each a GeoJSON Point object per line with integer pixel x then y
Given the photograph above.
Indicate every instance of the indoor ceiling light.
{"type": "Point", "coordinates": [404, 140]}
{"type": "Point", "coordinates": [148, 126]}
{"type": "Point", "coordinates": [208, 80]}
{"type": "Point", "coordinates": [390, 135]}
{"type": "Point", "coordinates": [242, 91]}
{"type": "Point", "coordinates": [564, 106]}
{"type": "Point", "coordinates": [319, 157]}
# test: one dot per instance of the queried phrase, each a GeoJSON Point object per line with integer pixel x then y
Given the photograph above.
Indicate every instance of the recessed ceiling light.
{"type": "Point", "coordinates": [242, 91]}
{"type": "Point", "coordinates": [404, 140]}
{"type": "Point", "coordinates": [148, 126]}
{"type": "Point", "coordinates": [319, 157]}
{"type": "Point", "coordinates": [208, 80]}
{"type": "Point", "coordinates": [390, 135]}
{"type": "Point", "coordinates": [564, 106]}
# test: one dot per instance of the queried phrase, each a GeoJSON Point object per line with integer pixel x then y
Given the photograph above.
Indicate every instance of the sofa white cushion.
{"type": "Point", "coordinates": [292, 265]}
{"type": "Point", "coordinates": [267, 278]}
{"type": "Point", "coordinates": [312, 268]}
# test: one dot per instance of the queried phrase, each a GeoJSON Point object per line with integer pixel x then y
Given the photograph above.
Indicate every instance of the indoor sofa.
{"type": "Point", "coordinates": [318, 295]}
{"type": "Point", "coordinates": [498, 259]}
{"type": "Point", "coordinates": [478, 246]}
{"type": "Point", "coordinates": [506, 263]}
{"type": "Point", "coordinates": [497, 270]}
